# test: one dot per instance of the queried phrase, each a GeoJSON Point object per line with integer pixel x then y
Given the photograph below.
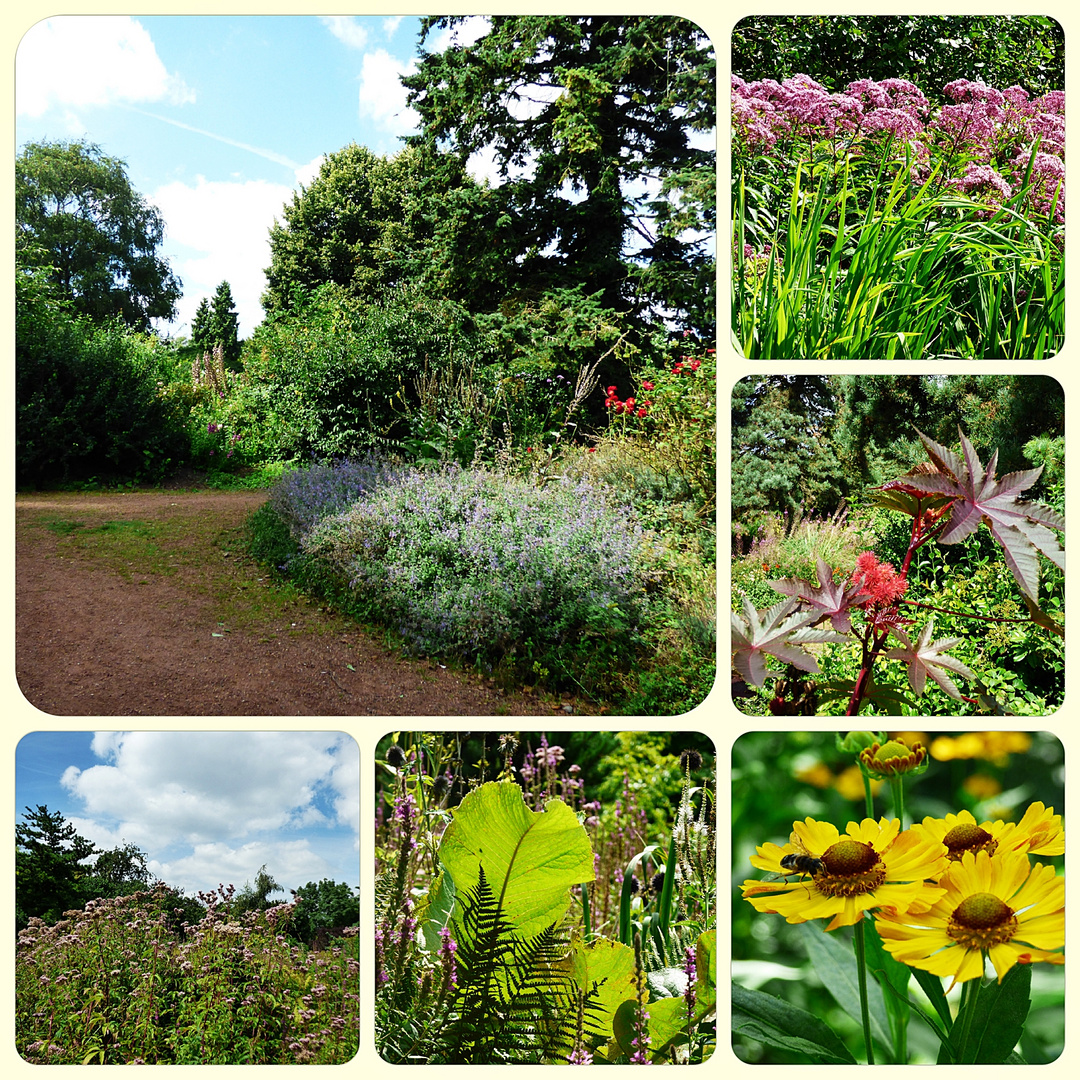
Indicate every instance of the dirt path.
{"type": "Point", "coordinates": [143, 604]}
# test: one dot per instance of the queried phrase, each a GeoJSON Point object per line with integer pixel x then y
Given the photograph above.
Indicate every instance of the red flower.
{"type": "Point", "coordinates": [618, 406]}
{"type": "Point", "coordinates": [642, 412]}
{"type": "Point", "coordinates": [612, 390]}
{"type": "Point", "coordinates": [592, 449]}
{"type": "Point", "coordinates": [880, 581]}
{"type": "Point", "coordinates": [695, 364]}
{"type": "Point", "coordinates": [647, 386]}
{"type": "Point", "coordinates": [676, 369]}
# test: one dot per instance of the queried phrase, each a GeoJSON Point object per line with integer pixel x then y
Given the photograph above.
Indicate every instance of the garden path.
{"type": "Point", "coordinates": [144, 604]}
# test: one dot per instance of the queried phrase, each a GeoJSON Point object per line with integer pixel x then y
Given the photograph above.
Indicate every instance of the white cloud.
{"type": "Point", "coordinates": [223, 229]}
{"type": "Point", "coordinates": [215, 806]}
{"type": "Point", "coordinates": [390, 25]}
{"type": "Point", "coordinates": [465, 33]}
{"type": "Point", "coordinates": [91, 60]}
{"type": "Point", "coordinates": [306, 173]}
{"type": "Point", "coordinates": [346, 29]}
{"type": "Point", "coordinates": [382, 97]}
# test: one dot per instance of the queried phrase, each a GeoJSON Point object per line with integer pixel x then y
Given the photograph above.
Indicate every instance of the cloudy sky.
{"type": "Point", "coordinates": [219, 119]}
{"type": "Point", "coordinates": [206, 807]}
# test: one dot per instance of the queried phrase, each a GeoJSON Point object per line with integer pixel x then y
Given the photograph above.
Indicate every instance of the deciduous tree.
{"type": "Point", "coordinates": [77, 215]}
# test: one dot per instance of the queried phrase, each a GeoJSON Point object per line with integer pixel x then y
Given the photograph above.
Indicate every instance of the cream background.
{"type": "Point", "coordinates": [717, 716]}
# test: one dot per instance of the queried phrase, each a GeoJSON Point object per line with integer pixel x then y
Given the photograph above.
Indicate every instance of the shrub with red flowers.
{"type": "Point", "coordinates": [675, 408]}
{"type": "Point", "coordinates": [947, 499]}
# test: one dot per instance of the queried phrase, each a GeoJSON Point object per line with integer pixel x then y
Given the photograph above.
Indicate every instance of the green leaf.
{"type": "Point", "coordinates": [998, 1021]}
{"type": "Point", "coordinates": [834, 962]}
{"type": "Point", "coordinates": [774, 1022]}
{"type": "Point", "coordinates": [530, 858]}
{"type": "Point", "coordinates": [607, 968]}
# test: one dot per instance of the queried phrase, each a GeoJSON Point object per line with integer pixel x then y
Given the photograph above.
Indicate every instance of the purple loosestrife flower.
{"type": "Point", "coordinates": [689, 994]}
{"type": "Point", "coordinates": [447, 951]}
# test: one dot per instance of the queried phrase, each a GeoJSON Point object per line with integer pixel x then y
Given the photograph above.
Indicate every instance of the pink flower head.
{"type": "Point", "coordinates": [880, 581]}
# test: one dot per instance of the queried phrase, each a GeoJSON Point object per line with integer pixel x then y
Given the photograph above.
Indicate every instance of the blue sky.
{"type": "Point", "coordinates": [207, 807]}
{"type": "Point", "coordinates": [219, 118]}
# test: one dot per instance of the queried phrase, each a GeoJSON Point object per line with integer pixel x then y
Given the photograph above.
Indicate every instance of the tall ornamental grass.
{"type": "Point", "coordinates": [862, 230]}
{"type": "Point", "coordinates": [113, 984]}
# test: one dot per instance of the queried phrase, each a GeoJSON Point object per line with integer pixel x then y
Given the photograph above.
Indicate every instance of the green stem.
{"type": "Point", "coordinates": [969, 998]}
{"type": "Point", "coordinates": [896, 788]}
{"type": "Point", "coordinates": [860, 965]}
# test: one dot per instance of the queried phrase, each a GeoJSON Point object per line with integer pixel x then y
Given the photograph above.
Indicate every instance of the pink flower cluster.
{"type": "Point", "coordinates": [880, 581]}
{"type": "Point", "coordinates": [988, 133]}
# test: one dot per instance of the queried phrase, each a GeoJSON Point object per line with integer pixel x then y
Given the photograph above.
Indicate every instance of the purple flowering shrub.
{"type": "Point", "coordinates": [112, 984]}
{"type": "Point", "coordinates": [983, 139]}
{"type": "Point", "coordinates": [488, 566]}
{"type": "Point", "coordinates": [302, 497]}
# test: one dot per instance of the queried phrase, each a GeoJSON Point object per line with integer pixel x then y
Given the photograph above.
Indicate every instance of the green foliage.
{"type": "Point", "coordinates": [79, 219]}
{"type": "Point", "coordinates": [1002, 50]}
{"type": "Point", "coordinates": [48, 870]}
{"type": "Point", "coordinates": [367, 224]}
{"type": "Point", "coordinates": [891, 267]}
{"type": "Point", "coordinates": [326, 381]}
{"type": "Point", "coordinates": [222, 325]}
{"type": "Point", "coordinates": [631, 92]}
{"type": "Point", "coordinates": [781, 460]}
{"type": "Point", "coordinates": [324, 905]}
{"type": "Point", "coordinates": [87, 398]}
{"type": "Point", "coordinates": [255, 896]}
{"type": "Point", "coordinates": [121, 983]}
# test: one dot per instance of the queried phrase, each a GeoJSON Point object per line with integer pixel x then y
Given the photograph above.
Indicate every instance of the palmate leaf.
{"type": "Point", "coordinates": [925, 657]}
{"type": "Point", "coordinates": [832, 599]}
{"type": "Point", "coordinates": [1019, 527]}
{"type": "Point", "coordinates": [772, 633]}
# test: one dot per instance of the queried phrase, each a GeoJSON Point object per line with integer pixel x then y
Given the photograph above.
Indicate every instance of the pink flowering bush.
{"type": "Point", "coordinates": [114, 984]}
{"type": "Point", "coordinates": [871, 223]}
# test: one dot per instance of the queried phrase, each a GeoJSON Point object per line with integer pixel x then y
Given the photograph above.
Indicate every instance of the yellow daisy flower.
{"type": "Point", "coordinates": [1039, 831]}
{"type": "Point", "coordinates": [872, 866]}
{"type": "Point", "coordinates": [1002, 907]}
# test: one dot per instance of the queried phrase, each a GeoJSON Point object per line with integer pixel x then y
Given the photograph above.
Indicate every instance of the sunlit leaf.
{"type": "Point", "coordinates": [771, 633]}
{"type": "Point", "coordinates": [832, 599]}
{"type": "Point", "coordinates": [1021, 528]}
{"type": "Point", "coordinates": [925, 657]}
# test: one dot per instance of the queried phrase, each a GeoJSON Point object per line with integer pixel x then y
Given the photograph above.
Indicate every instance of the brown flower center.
{"type": "Point", "coordinates": [982, 920]}
{"type": "Point", "coordinates": [968, 837]}
{"type": "Point", "coordinates": [852, 868]}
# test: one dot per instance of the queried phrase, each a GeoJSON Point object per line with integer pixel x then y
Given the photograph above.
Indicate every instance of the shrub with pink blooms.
{"type": "Point", "coordinates": [870, 222]}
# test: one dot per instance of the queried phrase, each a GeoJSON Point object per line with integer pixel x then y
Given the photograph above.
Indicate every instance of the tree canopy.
{"type": "Point", "coordinates": [930, 50]}
{"type": "Point", "coordinates": [78, 217]}
{"type": "Point", "coordinates": [365, 223]}
{"type": "Point", "coordinates": [592, 123]}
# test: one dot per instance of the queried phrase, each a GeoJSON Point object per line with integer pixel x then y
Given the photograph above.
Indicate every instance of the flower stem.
{"type": "Point", "coordinates": [860, 965]}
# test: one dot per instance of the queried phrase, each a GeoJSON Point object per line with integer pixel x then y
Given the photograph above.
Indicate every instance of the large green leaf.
{"type": "Point", "coordinates": [530, 858]}
{"type": "Point", "coordinates": [605, 968]}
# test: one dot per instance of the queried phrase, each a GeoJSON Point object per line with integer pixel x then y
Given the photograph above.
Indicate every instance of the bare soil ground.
{"type": "Point", "coordinates": [145, 604]}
